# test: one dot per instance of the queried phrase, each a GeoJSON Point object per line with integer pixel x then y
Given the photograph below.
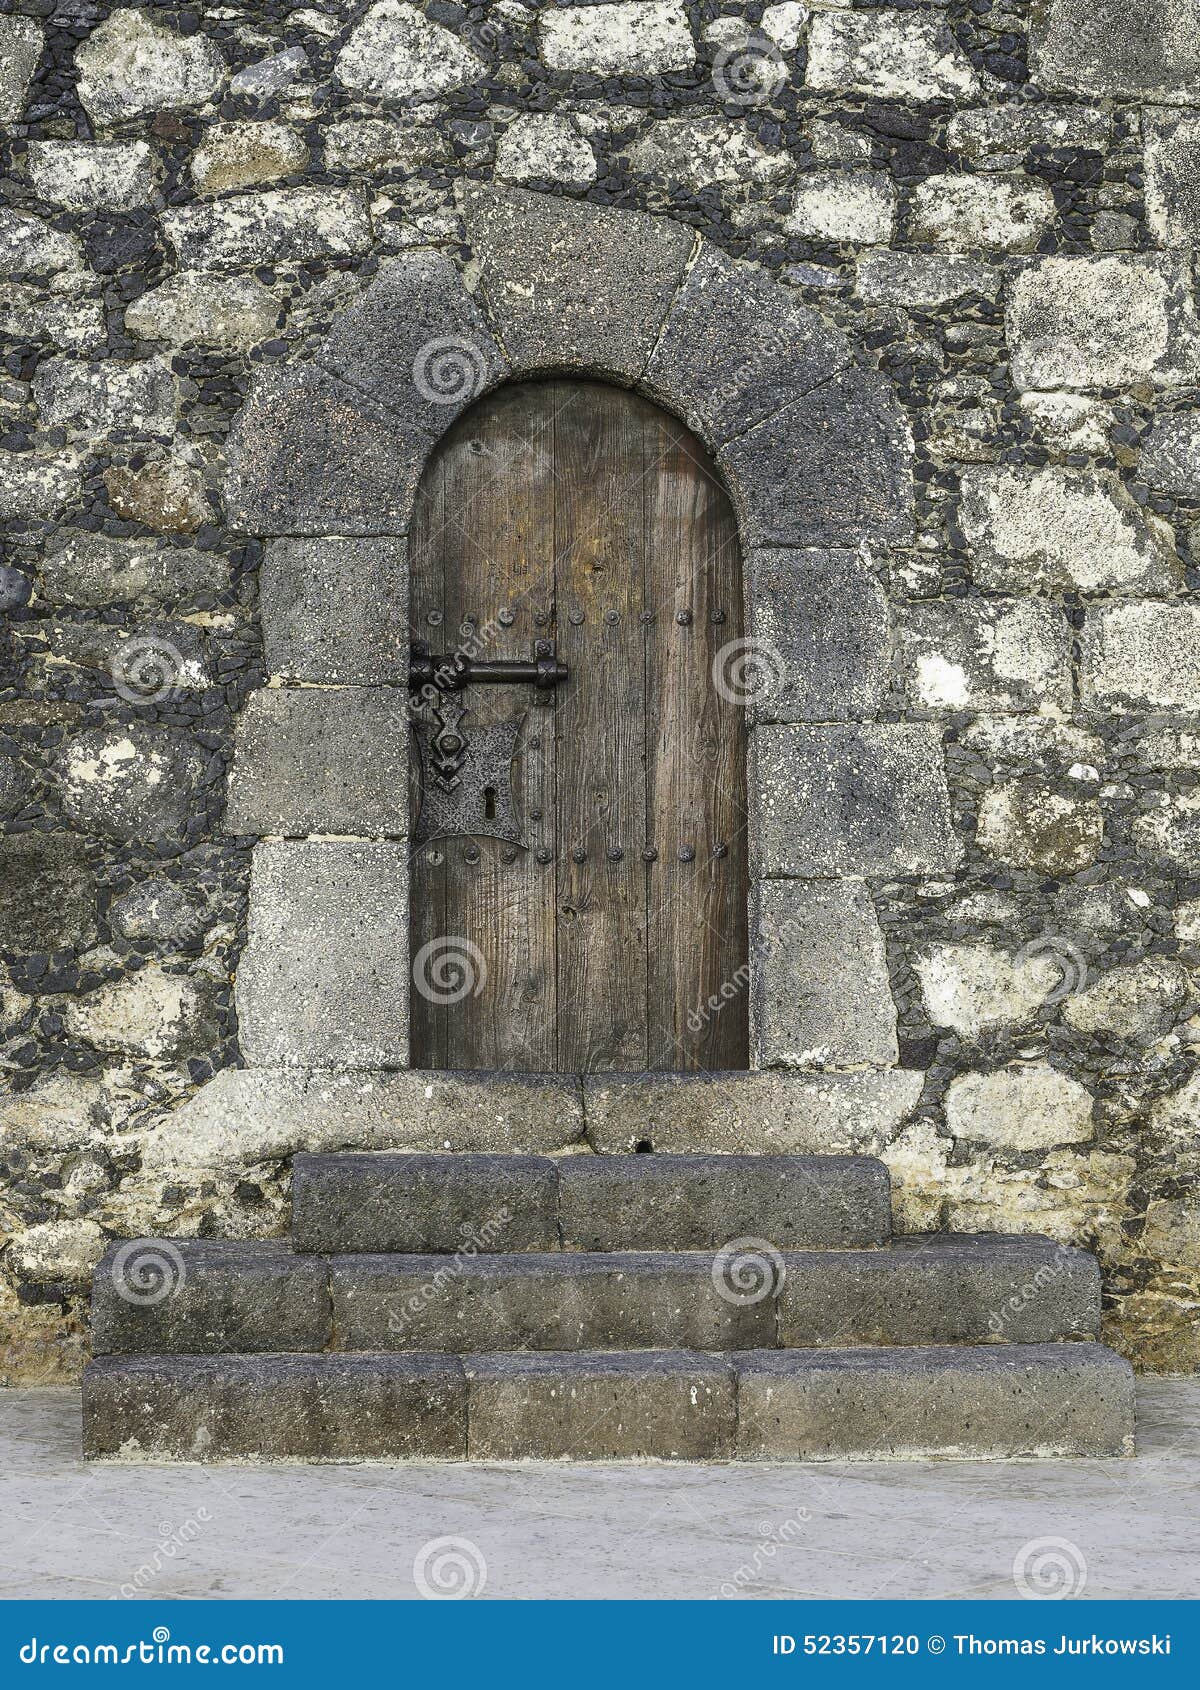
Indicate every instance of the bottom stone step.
{"type": "Point", "coordinates": [759, 1405]}
{"type": "Point", "coordinates": [275, 1408]}
{"type": "Point", "coordinates": [908, 1404]}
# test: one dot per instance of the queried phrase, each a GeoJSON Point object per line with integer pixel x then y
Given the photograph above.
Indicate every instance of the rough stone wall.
{"type": "Point", "coordinates": [998, 202]}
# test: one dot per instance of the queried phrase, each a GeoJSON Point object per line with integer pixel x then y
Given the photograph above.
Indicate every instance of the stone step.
{"type": "Point", "coordinates": [757, 1405]}
{"type": "Point", "coordinates": [212, 1298]}
{"type": "Point", "coordinates": [707, 1202]}
{"type": "Point", "coordinates": [943, 1288]}
{"type": "Point", "coordinates": [275, 1408]}
{"type": "Point", "coordinates": [418, 1204]}
{"type": "Point", "coordinates": [204, 1296]}
{"type": "Point", "coordinates": [985, 1402]}
{"type": "Point", "coordinates": [601, 1301]}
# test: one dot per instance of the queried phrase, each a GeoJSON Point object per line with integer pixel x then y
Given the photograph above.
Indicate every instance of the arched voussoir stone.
{"type": "Point", "coordinates": [572, 287]}
{"type": "Point", "coordinates": [416, 342]}
{"type": "Point", "coordinates": [737, 347]}
{"type": "Point", "coordinates": [834, 469]}
{"type": "Point", "coordinates": [310, 455]}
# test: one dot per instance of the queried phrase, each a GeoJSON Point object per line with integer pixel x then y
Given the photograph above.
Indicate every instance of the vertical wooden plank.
{"type": "Point", "coordinates": [427, 888]}
{"type": "Point", "coordinates": [495, 550]}
{"type": "Point", "coordinates": [600, 721]}
{"type": "Point", "coordinates": [696, 779]}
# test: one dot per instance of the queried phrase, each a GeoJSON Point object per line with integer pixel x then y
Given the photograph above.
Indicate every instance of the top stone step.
{"type": "Point", "coordinates": [440, 1204]}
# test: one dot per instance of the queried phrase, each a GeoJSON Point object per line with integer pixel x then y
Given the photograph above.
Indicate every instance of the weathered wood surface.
{"type": "Point", "coordinates": [586, 515]}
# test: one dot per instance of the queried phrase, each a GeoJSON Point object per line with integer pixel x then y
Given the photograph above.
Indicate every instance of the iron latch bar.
{"type": "Point", "coordinates": [455, 670]}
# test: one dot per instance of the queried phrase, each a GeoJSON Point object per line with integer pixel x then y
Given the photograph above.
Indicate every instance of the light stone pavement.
{"type": "Point", "coordinates": [895, 1530]}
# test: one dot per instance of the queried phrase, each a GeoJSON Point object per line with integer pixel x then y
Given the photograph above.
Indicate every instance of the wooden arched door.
{"type": "Point", "coordinates": [607, 931]}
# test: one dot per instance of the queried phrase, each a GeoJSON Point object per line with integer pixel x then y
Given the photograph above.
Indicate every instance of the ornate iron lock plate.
{"type": "Point", "coordinates": [466, 775]}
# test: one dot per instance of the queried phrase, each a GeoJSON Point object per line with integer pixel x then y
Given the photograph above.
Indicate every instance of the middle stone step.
{"type": "Point", "coordinates": [377, 1201]}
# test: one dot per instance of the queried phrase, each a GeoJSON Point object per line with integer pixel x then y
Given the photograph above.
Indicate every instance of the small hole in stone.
{"type": "Point", "coordinates": [643, 1147]}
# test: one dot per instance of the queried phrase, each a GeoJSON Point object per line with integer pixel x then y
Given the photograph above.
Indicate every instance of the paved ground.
{"type": "Point", "coordinates": [931, 1529]}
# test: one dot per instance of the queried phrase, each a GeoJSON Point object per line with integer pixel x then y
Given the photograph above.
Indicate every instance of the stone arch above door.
{"type": "Point", "coordinates": [324, 462]}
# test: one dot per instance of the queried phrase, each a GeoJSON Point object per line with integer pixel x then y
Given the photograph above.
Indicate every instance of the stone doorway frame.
{"type": "Point", "coordinates": [324, 462]}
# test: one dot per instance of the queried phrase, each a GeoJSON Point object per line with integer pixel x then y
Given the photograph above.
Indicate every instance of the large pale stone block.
{"type": "Point", "coordinates": [29, 246]}
{"type": "Point", "coordinates": [855, 207]}
{"type": "Point", "coordinates": [106, 399]}
{"type": "Point", "coordinates": [623, 38]}
{"type": "Point", "coordinates": [821, 997]}
{"type": "Point", "coordinates": [278, 226]}
{"type": "Point", "coordinates": [1030, 824]}
{"type": "Point", "coordinates": [700, 151]}
{"type": "Point", "coordinates": [1002, 134]}
{"type": "Point", "coordinates": [895, 55]}
{"type": "Point", "coordinates": [1026, 1106]}
{"type": "Point", "coordinates": [397, 53]}
{"type": "Point", "coordinates": [976, 654]}
{"type": "Point", "coordinates": [1130, 48]}
{"type": "Point", "coordinates": [89, 175]}
{"type": "Point", "coordinates": [1107, 321]}
{"type": "Point", "coordinates": [155, 1014]}
{"type": "Point", "coordinates": [336, 610]}
{"type": "Point", "coordinates": [193, 309]}
{"type": "Point", "coordinates": [323, 981]}
{"type": "Point", "coordinates": [1141, 1001]}
{"type": "Point", "coordinates": [1061, 529]}
{"type": "Point", "coordinates": [980, 211]}
{"type": "Point", "coordinates": [853, 799]}
{"type": "Point", "coordinates": [21, 42]}
{"type": "Point", "coordinates": [1142, 655]}
{"type": "Point", "coordinates": [238, 155]}
{"type": "Point", "coordinates": [570, 288]}
{"type": "Point", "coordinates": [974, 988]}
{"type": "Point", "coordinates": [244, 1116]}
{"type": "Point", "coordinates": [322, 760]}
{"type": "Point", "coordinates": [544, 147]}
{"type": "Point", "coordinates": [130, 65]}
{"type": "Point", "coordinates": [819, 631]}
{"type": "Point", "coordinates": [1172, 143]}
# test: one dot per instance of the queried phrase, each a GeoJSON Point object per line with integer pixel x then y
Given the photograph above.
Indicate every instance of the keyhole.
{"type": "Point", "coordinates": [489, 803]}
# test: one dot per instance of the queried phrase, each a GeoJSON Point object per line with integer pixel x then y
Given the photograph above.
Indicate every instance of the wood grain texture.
{"type": "Point", "coordinates": [588, 516]}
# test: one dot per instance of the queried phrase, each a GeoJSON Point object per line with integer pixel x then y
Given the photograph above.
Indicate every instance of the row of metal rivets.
{"type": "Point", "coordinates": [577, 618]}
{"type": "Point", "coordinates": [614, 853]}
